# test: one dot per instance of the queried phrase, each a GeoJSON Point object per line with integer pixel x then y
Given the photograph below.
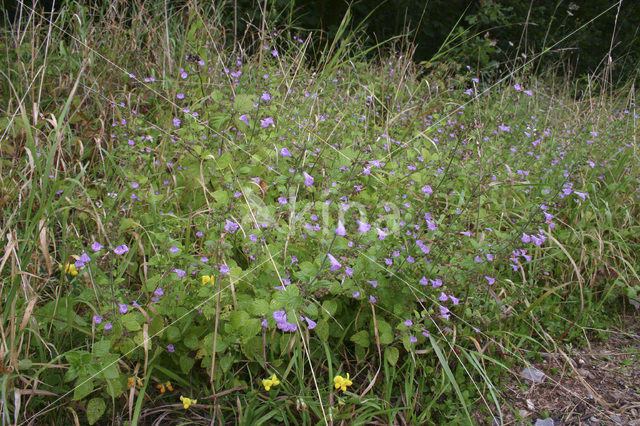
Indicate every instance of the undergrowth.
{"type": "Point", "coordinates": [199, 232]}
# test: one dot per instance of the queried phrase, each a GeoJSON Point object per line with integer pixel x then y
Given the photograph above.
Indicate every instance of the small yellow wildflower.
{"type": "Point", "coordinates": [186, 402]}
{"type": "Point", "coordinates": [207, 279]}
{"type": "Point", "coordinates": [160, 387]}
{"type": "Point", "coordinates": [169, 387]}
{"type": "Point", "coordinates": [70, 269]}
{"type": "Point", "coordinates": [273, 381]}
{"type": "Point", "coordinates": [342, 383]}
{"type": "Point", "coordinates": [131, 382]}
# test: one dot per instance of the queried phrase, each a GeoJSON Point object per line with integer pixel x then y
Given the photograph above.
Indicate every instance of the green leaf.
{"type": "Point", "coordinates": [173, 334]}
{"type": "Point", "coordinates": [84, 386]}
{"type": "Point", "coordinates": [329, 307]}
{"type": "Point", "coordinates": [244, 103]}
{"type": "Point", "coordinates": [391, 354]}
{"type": "Point", "coordinates": [361, 338]}
{"type": "Point", "coordinates": [386, 332]}
{"type": "Point", "coordinates": [191, 341]}
{"type": "Point", "coordinates": [101, 348]}
{"type": "Point", "coordinates": [95, 409]}
{"type": "Point", "coordinates": [130, 322]}
{"type": "Point", "coordinates": [186, 364]}
{"type": "Point", "coordinates": [322, 330]}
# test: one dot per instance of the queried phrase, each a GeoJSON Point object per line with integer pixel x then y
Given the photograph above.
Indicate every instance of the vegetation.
{"type": "Point", "coordinates": [196, 229]}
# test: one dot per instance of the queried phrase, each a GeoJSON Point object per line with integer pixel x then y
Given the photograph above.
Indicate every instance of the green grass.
{"type": "Point", "coordinates": [503, 222]}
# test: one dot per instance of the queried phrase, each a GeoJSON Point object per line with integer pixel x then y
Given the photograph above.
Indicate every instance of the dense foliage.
{"type": "Point", "coordinates": [195, 232]}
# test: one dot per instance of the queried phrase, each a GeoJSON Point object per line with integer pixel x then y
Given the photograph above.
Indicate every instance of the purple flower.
{"type": "Point", "coordinates": [308, 179]}
{"type": "Point", "coordinates": [266, 96]}
{"type": "Point", "coordinates": [504, 128]}
{"type": "Point", "coordinates": [372, 299]}
{"type": "Point", "coordinates": [363, 227]}
{"type": "Point", "coordinates": [431, 225]}
{"type": "Point", "coordinates": [348, 270]}
{"type": "Point", "coordinates": [427, 189]}
{"type": "Point", "coordinates": [413, 339]}
{"type": "Point", "coordinates": [340, 229]}
{"type": "Point", "coordinates": [120, 250]}
{"type": "Point", "coordinates": [408, 323]}
{"type": "Point", "coordinates": [96, 246]}
{"type": "Point", "coordinates": [174, 249]}
{"type": "Point", "coordinates": [176, 122]}
{"type": "Point", "coordinates": [97, 319]}
{"type": "Point", "coordinates": [455, 300]}
{"type": "Point", "coordinates": [517, 87]}
{"type": "Point", "coordinates": [381, 234]}
{"type": "Point", "coordinates": [123, 308]}
{"type": "Point", "coordinates": [280, 316]}
{"type": "Point", "coordinates": [230, 226]}
{"type": "Point", "coordinates": [244, 119]}
{"type": "Point", "coordinates": [373, 283]}
{"type": "Point", "coordinates": [266, 122]}
{"type": "Point", "coordinates": [199, 234]}
{"type": "Point", "coordinates": [335, 265]}
{"type": "Point", "coordinates": [478, 259]}
{"type": "Point", "coordinates": [285, 152]}
{"type": "Point", "coordinates": [282, 200]}
{"type": "Point", "coordinates": [528, 92]}
{"type": "Point", "coordinates": [170, 348]}
{"type": "Point", "coordinates": [158, 292]}
{"type": "Point", "coordinates": [443, 297]}
{"type": "Point", "coordinates": [525, 238]}
{"type": "Point", "coordinates": [108, 326]}
{"type": "Point", "coordinates": [264, 323]}
{"type": "Point", "coordinates": [356, 294]}
{"type": "Point", "coordinates": [224, 269]}
{"type": "Point", "coordinates": [424, 280]}
{"type": "Point", "coordinates": [310, 323]}
{"type": "Point", "coordinates": [181, 273]}
{"type": "Point", "coordinates": [425, 333]}
{"type": "Point", "coordinates": [582, 195]}
{"type": "Point", "coordinates": [436, 283]}
{"type": "Point", "coordinates": [180, 96]}
{"type": "Point", "coordinates": [491, 280]}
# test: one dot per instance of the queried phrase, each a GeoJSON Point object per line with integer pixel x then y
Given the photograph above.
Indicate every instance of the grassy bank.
{"type": "Point", "coordinates": [184, 218]}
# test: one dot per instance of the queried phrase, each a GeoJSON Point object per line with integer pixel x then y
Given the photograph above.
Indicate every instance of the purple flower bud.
{"type": "Point", "coordinates": [335, 265]}
{"type": "Point", "coordinates": [340, 229]}
{"type": "Point", "coordinates": [308, 179]}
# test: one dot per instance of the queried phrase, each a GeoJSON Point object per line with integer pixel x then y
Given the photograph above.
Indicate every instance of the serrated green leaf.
{"type": "Point", "coordinates": [391, 355]}
{"type": "Point", "coordinates": [361, 338]}
{"type": "Point", "coordinates": [95, 409]}
{"type": "Point", "coordinates": [173, 334]}
{"type": "Point", "coordinates": [130, 322]}
{"type": "Point", "coordinates": [84, 386]}
{"type": "Point", "coordinates": [385, 332]}
{"type": "Point", "coordinates": [101, 348]}
{"type": "Point", "coordinates": [329, 307]}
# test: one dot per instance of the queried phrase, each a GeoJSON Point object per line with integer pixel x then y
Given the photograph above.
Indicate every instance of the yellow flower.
{"type": "Point", "coordinates": [70, 269]}
{"type": "Point", "coordinates": [186, 402]}
{"type": "Point", "coordinates": [131, 382]}
{"type": "Point", "coordinates": [273, 381]}
{"type": "Point", "coordinates": [207, 279]}
{"type": "Point", "coordinates": [169, 387]}
{"type": "Point", "coordinates": [342, 383]}
{"type": "Point", "coordinates": [160, 386]}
